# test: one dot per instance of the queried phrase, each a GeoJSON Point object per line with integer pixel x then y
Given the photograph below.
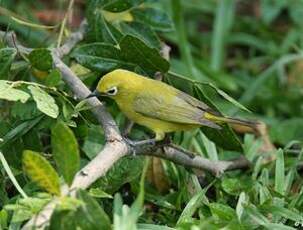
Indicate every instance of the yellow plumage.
{"type": "Point", "coordinates": [156, 105]}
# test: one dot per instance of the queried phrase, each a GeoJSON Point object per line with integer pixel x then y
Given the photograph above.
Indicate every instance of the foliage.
{"type": "Point", "coordinates": [220, 50]}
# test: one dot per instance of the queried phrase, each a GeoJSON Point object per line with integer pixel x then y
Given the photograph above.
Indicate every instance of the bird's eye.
{"type": "Point", "coordinates": [112, 91]}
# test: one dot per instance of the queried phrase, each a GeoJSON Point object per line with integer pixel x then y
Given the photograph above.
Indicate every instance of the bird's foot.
{"type": "Point", "coordinates": [135, 145]}
{"type": "Point", "coordinates": [167, 140]}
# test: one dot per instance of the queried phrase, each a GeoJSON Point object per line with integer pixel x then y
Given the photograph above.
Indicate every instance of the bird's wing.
{"type": "Point", "coordinates": [196, 103]}
{"type": "Point", "coordinates": [173, 109]}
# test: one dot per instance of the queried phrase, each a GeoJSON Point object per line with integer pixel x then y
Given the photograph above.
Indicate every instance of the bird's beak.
{"type": "Point", "coordinates": [95, 93]}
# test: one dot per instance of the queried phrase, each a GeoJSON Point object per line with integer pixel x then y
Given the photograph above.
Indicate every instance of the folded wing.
{"type": "Point", "coordinates": [173, 108]}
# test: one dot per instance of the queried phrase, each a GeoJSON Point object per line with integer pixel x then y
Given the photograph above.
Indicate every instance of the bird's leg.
{"type": "Point", "coordinates": [140, 143]}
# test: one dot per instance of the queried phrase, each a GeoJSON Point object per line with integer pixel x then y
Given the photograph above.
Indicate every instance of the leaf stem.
{"type": "Point", "coordinates": [32, 25]}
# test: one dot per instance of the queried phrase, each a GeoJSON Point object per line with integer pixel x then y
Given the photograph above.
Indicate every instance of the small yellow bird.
{"type": "Point", "coordinates": [158, 106]}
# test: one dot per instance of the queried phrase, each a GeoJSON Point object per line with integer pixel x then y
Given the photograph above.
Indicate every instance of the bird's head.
{"type": "Point", "coordinates": [116, 83]}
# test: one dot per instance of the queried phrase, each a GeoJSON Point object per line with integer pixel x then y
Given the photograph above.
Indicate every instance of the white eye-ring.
{"type": "Point", "coordinates": [112, 91]}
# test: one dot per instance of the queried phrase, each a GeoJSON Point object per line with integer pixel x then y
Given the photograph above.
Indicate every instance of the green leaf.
{"type": "Point", "coordinates": [289, 179]}
{"type": "Point", "coordinates": [7, 92]}
{"type": "Point", "coordinates": [234, 186]}
{"type": "Point", "coordinates": [99, 30]}
{"type": "Point", "coordinates": [225, 137]}
{"type": "Point", "coordinates": [293, 215]}
{"type": "Point", "coordinates": [264, 193]}
{"type": "Point", "coordinates": [19, 131]}
{"type": "Point", "coordinates": [191, 207]}
{"type": "Point", "coordinates": [275, 226]}
{"type": "Point", "coordinates": [270, 10]}
{"type": "Point", "coordinates": [25, 111]}
{"type": "Point", "coordinates": [117, 207]}
{"type": "Point", "coordinates": [91, 214]}
{"type": "Point", "coordinates": [251, 146]}
{"type": "Point", "coordinates": [41, 171]}
{"type": "Point", "coordinates": [120, 174]}
{"type": "Point", "coordinates": [3, 219]}
{"type": "Point", "coordinates": [94, 141]}
{"type": "Point", "coordinates": [45, 103]}
{"type": "Point", "coordinates": [100, 57]}
{"type": "Point", "coordinates": [65, 151]}
{"type": "Point", "coordinates": [210, 147]}
{"type": "Point", "coordinates": [228, 98]}
{"type": "Point", "coordinates": [156, 18]}
{"type": "Point", "coordinates": [99, 193]}
{"type": "Point", "coordinates": [41, 59]}
{"type": "Point", "coordinates": [240, 205]}
{"type": "Point", "coordinates": [153, 227]}
{"type": "Point", "coordinates": [125, 218]}
{"type": "Point", "coordinates": [279, 173]}
{"type": "Point", "coordinates": [69, 203]}
{"type": "Point", "coordinates": [25, 208]}
{"type": "Point", "coordinates": [7, 56]}
{"type": "Point", "coordinates": [120, 5]}
{"type": "Point", "coordinates": [142, 31]}
{"type": "Point", "coordinates": [136, 51]}
{"type": "Point", "coordinates": [20, 214]}
{"type": "Point", "coordinates": [33, 140]}
{"type": "Point", "coordinates": [114, 6]}
{"type": "Point", "coordinates": [209, 85]}
{"type": "Point", "coordinates": [63, 219]}
{"type": "Point", "coordinates": [255, 215]}
{"type": "Point", "coordinates": [53, 78]}
{"type": "Point", "coordinates": [222, 212]}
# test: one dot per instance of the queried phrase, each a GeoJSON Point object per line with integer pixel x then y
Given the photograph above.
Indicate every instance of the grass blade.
{"type": "Point", "coordinates": [222, 24]}
{"type": "Point", "coordinates": [11, 176]}
{"type": "Point", "coordinates": [279, 173]}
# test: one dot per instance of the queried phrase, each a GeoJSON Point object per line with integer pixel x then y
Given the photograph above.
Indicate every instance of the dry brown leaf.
{"type": "Point", "coordinates": [156, 175]}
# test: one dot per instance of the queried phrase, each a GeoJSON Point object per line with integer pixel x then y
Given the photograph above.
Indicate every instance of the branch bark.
{"type": "Point", "coordinates": [115, 147]}
{"type": "Point", "coordinates": [189, 159]}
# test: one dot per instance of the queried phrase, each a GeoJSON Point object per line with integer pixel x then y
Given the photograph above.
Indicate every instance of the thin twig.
{"type": "Point", "coordinates": [189, 159]}
{"type": "Point", "coordinates": [72, 40]}
{"type": "Point", "coordinates": [69, 9]}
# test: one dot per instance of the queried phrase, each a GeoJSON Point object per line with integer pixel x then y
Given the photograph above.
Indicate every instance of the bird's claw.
{"type": "Point", "coordinates": [134, 145]}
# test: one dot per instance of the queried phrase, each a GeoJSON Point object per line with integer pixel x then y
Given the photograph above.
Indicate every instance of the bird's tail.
{"type": "Point", "coordinates": [230, 120]}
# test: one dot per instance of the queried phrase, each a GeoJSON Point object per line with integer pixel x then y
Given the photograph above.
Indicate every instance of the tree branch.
{"type": "Point", "coordinates": [72, 41]}
{"type": "Point", "coordinates": [189, 159]}
{"type": "Point", "coordinates": [81, 91]}
{"type": "Point", "coordinates": [115, 147]}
